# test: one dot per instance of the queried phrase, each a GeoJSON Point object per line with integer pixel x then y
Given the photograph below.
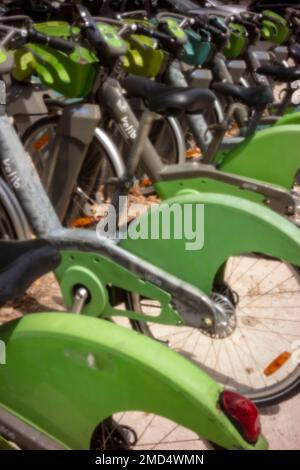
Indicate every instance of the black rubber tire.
{"type": "Point", "coordinates": [13, 223]}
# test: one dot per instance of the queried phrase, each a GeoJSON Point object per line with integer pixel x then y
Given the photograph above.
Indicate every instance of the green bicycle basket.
{"type": "Point", "coordinates": [237, 41]}
{"type": "Point", "coordinates": [197, 49]}
{"type": "Point", "coordinates": [275, 28]}
{"type": "Point", "coordinates": [142, 57]}
{"type": "Point", "coordinates": [71, 75]}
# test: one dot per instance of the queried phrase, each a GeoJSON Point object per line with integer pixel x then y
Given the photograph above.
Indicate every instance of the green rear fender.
{"type": "Point", "coordinates": [231, 226]}
{"type": "Point", "coordinates": [271, 155]}
{"type": "Point", "coordinates": [292, 117]}
{"type": "Point", "coordinates": [66, 373]}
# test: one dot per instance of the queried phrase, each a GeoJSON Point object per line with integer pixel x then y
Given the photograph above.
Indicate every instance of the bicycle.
{"type": "Point", "coordinates": [263, 231]}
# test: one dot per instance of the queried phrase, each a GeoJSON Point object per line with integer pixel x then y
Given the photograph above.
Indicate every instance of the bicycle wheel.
{"type": "Point", "coordinates": [13, 224]}
{"type": "Point", "coordinates": [7, 229]}
{"type": "Point", "coordinates": [256, 348]}
{"type": "Point", "coordinates": [134, 430]}
{"type": "Point", "coordinates": [95, 171]}
{"type": "Point", "coordinates": [37, 140]}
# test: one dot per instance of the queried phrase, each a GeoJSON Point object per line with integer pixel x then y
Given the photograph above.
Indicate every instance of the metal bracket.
{"type": "Point", "coordinates": [275, 197]}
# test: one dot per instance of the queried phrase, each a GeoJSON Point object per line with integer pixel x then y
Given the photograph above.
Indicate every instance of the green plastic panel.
{"type": "Point", "coordinates": [98, 275]}
{"type": "Point", "coordinates": [231, 226]}
{"type": "Point", "coordinates": [271, 155]}
{"type": "Point", "coordinates": [66, 373]}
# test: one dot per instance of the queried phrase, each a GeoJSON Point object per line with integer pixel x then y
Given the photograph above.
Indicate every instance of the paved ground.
{"type": "Point", "coordinates": [281, 425]}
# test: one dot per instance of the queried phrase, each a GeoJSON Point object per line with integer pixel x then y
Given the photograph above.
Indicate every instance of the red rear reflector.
{"type": "Point", "coordinates": [243, 413]}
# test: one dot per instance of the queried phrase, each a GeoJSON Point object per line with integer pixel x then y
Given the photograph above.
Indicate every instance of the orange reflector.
{"type": "Point", "coordinates": [193, 153]}
{"type": "Point", "coordinates": [82, 222]}
{"type": "Point", "coordinates": [277, 363]}
{"type": "Point", "coordinates": [146, 182]}
{"type": "Point", "coordinates": [41, 142]}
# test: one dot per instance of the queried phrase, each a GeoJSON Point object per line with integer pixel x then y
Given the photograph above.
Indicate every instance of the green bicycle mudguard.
{"type": "Point", "coordinates": [274, 28]}
{"type": "Point", "coordinates": [66, 373]}
{"type": "Point", "coordinates": [237, 41]}
{"type": "Point", "coordinates": [271, 155]}
{"type": "Point", "coordinates": [231, 226]}
{"type": "Point", "coordinates": [292, 117]}
{"type": "Point", "coordinates": [197, 49]}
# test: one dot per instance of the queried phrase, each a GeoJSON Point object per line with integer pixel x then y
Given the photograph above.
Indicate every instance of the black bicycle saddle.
{"type": "Point", "coordinates": [280, 73]}
{"type": "Point", "coordinates": [257, 97]}
{"type": "Point", "coordinates": [168, 100]}
{"type": "Point", "coordinates": [21, 263]}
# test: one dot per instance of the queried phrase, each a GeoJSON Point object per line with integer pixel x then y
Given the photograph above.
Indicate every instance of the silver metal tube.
{"type": "Point", "coordinates": [22, 175]}
{"type": "Point", "coordinates": [140, 141]}
{"type": "Point", "coordinates": [111, 149]}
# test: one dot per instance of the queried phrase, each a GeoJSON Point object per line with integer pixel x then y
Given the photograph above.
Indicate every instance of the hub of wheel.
{"type": "Point", "coordinates": [225, 319]}
{"type": "Point", "coordinates": [111, 435]}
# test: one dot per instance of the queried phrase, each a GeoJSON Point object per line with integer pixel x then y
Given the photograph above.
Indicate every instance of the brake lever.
{"type": "Point", "coordinates": [15, 37]}
{"type": "Point", "coordinates": [127, 30]}
{"type": "Point", "coordinates": [85, 16]}
{"type": "Point", "coordinates": [186, 23]}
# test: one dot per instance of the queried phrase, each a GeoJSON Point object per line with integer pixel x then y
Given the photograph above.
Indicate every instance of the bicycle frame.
{"type": "Point", "coordinates": [112, 95]}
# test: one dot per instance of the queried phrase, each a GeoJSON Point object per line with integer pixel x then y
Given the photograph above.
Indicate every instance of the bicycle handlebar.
{"type": "Point", "coordinates": [17, 37]}
{"type": "Point", "coordinates": [165, 40]}
{"type": "Point", "coordinates": [89, 28]}
{"type": "Point", "coordinates": [217, 24]}
{"type": "Point", "coordinates": [213, 27]}
{"type": "Point", "coordinates": [62, 45]}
